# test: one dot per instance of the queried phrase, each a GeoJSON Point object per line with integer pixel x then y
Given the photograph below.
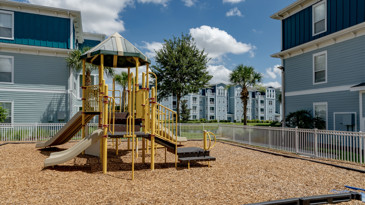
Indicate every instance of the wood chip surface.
{"type": "Point", "coordinates": [239, 176]}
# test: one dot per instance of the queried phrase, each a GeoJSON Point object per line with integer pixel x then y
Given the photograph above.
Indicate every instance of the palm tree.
{"type": "Point", "coordinates": [122, 80]}
{"type": "Point", "coordinates": [245, 76]}
{"type": "Point", "coordinates": [74, 61]}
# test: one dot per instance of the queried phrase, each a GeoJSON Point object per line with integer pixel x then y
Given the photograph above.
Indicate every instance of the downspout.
{"type": "Point", "coordinates": [282, 94]}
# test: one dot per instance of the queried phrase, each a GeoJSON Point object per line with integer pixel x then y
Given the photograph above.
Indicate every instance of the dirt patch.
{"type": "Point", "coordinates": [238, 176]}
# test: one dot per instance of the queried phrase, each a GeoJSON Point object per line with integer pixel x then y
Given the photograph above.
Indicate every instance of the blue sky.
{"type": "Point", "coordinates": [232, 32]}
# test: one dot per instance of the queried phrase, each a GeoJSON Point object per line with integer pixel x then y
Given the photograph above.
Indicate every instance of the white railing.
{"type": "Point", "coordinates": [32, 132]}
{"type": "Point", "coordinates": [339, 145]}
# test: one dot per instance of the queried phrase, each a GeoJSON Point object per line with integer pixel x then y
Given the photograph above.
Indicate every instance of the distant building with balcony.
{"type": "Point", "coordinates": [218, 102]}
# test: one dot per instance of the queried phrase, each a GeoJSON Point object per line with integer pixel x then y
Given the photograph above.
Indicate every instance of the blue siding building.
{"type": "Point", "coordinates": [323, 47]}
{"type": "Point", "coordinates": [36, 85]}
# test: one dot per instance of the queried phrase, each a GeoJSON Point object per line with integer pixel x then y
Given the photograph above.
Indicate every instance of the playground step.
{"type": "Point", "coordinates": [122, 134]}
{"type": "Point", "coordinates": [123, 128]}
{"type": "Point", "coordinates": [183, 152]}
{"type": "Point", "coordinates": [169, 145]}
{"type": "Point", "coordinates": [195, 159]}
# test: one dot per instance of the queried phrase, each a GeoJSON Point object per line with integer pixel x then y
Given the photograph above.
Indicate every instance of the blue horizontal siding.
{"type": "Point", "coordinates": [40, 30]}
{"type": "Point", "coordinates": [44, 71]}
{"type": "Point", "coordinates": [345, 66]}
{"type": "Point", "coordinates": [31, 107]}
{"type": "Point", "coordinates": [341, 14]}
{"type": "Point", "coordinates": [345, 101]}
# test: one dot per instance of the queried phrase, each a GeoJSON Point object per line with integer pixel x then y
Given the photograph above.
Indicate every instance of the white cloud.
{"type": "Point", "coordinates": [217, 42]}
{"type": "Point", "coordinates": [234, 12]}
{"type": "Point", "coordinates": [233, 1]}
{"type": "Point", "coordinates": [162, 2]}
{"type": "Point", "coordinates": [274, 84]}
{"type": "Point", "coordinates": [220, 74]}
{"type": "Point", "coordinates": [152, 48]}
{"type": "Point", "coordinates": [273, 72]}
{"type": "Point", "coordinates": [189, 3]}
{"type": "Point", "coordinates": [97, 17]}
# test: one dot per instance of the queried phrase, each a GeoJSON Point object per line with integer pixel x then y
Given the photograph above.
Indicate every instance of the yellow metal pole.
{"type": "Point", "coordinates": [205, 140]}
{"type": "Point", "coordinates": [129, 103]}
{"type": "Point", "coordinates": [153, 131]}
{"type": "Point", "coordinates": [83, 100]}
{"type": "Point", "coordinates": [100, 123]}
{"type": "Point", "coordinates": [133, 121]}
{"type": "Point", "coordinates": [105, 119]}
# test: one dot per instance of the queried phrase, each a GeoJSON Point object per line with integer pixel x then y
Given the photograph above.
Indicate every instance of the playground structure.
{"type": "Point", "coordinates": [158, 123]}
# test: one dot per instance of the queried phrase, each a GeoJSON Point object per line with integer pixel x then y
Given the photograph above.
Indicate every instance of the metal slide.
{"type": "Point", "coordinates": [67, 132]}
{"type": "Point", "coordinates": [66, 155]}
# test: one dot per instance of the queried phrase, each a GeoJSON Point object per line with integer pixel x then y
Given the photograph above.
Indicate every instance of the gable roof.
{"type": "Point", "coordinates": [115, 45]}
{"type": "Point", "coordinates": [293, 8]}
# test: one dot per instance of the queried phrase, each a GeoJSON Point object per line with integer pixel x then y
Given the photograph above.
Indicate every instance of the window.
{"type": "Point", "coordinates": [194, 100]}
{"type": "Point", "coordinates": [211, 100]}
{"type": "Point", "coordinates": [270, 102]}
{"type": "Point", "coordinates": [194, 117]}
{"type": "Point", "coordinates": [8, 106]}
{"type": "Point", "coordinates": [211, 109]}
{"type": "Point", "coordinates": [211, 117]}
{"type": "Point", "coordinates": [6, 25]}
{"type": "Point", "coordinates": [319, 18]}
{"type": "Point", "coordinates": [320, 110]}
{"type": "Point", "coordinates": [6, 69]}
{"type": "Point", "coordinates": [320, 67]}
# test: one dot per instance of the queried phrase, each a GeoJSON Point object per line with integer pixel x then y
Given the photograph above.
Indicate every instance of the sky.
{"type": "Point", "coordinates": [231, 32]}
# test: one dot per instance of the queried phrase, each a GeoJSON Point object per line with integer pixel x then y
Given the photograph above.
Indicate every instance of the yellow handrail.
{"type": "Point", "coordinates": [112, 110]}
{"type": "Point", "coordinates": [119, 97]}
{"type": "Point", "coordinates": [210, 140]}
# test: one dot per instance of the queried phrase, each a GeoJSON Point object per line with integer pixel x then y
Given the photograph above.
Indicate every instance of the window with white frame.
{"type": "Point", "coordinates": [6, 25]}
{"type": "Point", "coordinates": [6, 69]}
{"type": "Point", "coordinates": [320, 67]}
{"type": "Point", "coordinates": [319, 17]}
{"type": "Point", "coordinates": [320, 109]}
{"type": "Point", "coordinates": [194, 100]}
{"type": "Point", "coordinates": [8, 106]}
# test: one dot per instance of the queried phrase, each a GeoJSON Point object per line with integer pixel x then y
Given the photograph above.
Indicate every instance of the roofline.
{"type": "Point", "coordinates": [292, 9]}
{"type": "Point", "coordinates": [46, 10]}
{"type": "Point", "coordinates": [94, 36]}
{"type": "Point", "coordinates": [337, 37]}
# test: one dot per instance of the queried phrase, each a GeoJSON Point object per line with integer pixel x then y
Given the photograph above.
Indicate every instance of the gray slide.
{"type": "Point", "coordinates": [66, 155]}
{"type": "Point", "coordinates": [66, 133]}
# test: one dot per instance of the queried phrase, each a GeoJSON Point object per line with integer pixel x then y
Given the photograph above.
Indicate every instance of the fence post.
{"type": "Point", "coordinates": [316, 142]}
{"type": "Point", "coordinates": [249, 135]}
{"type": "Point", "coordinates": [361, 152]}
{"type": "Point", "coordinates": [296, 140]}
{"type": "Point", "coordinates": [270, 136]}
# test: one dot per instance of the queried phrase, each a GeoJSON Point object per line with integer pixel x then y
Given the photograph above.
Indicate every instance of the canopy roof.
{"type": "Point", "coordinates": [115, 45]}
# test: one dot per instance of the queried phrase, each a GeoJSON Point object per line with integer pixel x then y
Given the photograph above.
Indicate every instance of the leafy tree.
{"type": "Point", "coordinates": [185, 111]}
{"type": "Point", "coordinates": [122, 80]}
{"type": "Point", "coordinates": [246, 77]}
{"type": "Point", "coordinates": [74, 61]}
{"type": "Point", "coordinates": [304, 119]}
{"type": "Point", "coordinates": [181, 68]}
{"type": "Point", "coordinates": [260, 88]}
{"type": "Point", "coordinates": [3, 114]}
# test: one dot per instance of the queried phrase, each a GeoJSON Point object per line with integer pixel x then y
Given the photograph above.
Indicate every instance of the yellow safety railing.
{"type": "Point", "coordinates": [111, 113]}
{"type": "Point", "coordinates": [166, 123]}
{"type": "Point", "coordinates": [118, 97]}
{"type": "Point", "coordinates": [91, 98]}
{"type": "Point", "coordinates": [207, 136]}
{"type": "Point", "coordinates": [131, 107]}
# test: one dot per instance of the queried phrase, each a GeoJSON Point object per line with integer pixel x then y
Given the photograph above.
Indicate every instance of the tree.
{"type": "Point", "coordinates": [245, 76]}
{"type": "Point", "coordinates": [74, 61]}
{"type": "Point", "coordinates": [185, 111]}
{"type": "Point", "coordinates": [181, 68]}
{"type": "Point", "coordinates": [3, 114]}
{"type": "Point", "coordinates": [304, 119]}
{"type": "Point", "coordinates": [122, 80]}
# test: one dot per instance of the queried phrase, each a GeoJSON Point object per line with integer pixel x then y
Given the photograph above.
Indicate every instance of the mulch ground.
{"type": "Point", "coordinates": [239, 176]}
